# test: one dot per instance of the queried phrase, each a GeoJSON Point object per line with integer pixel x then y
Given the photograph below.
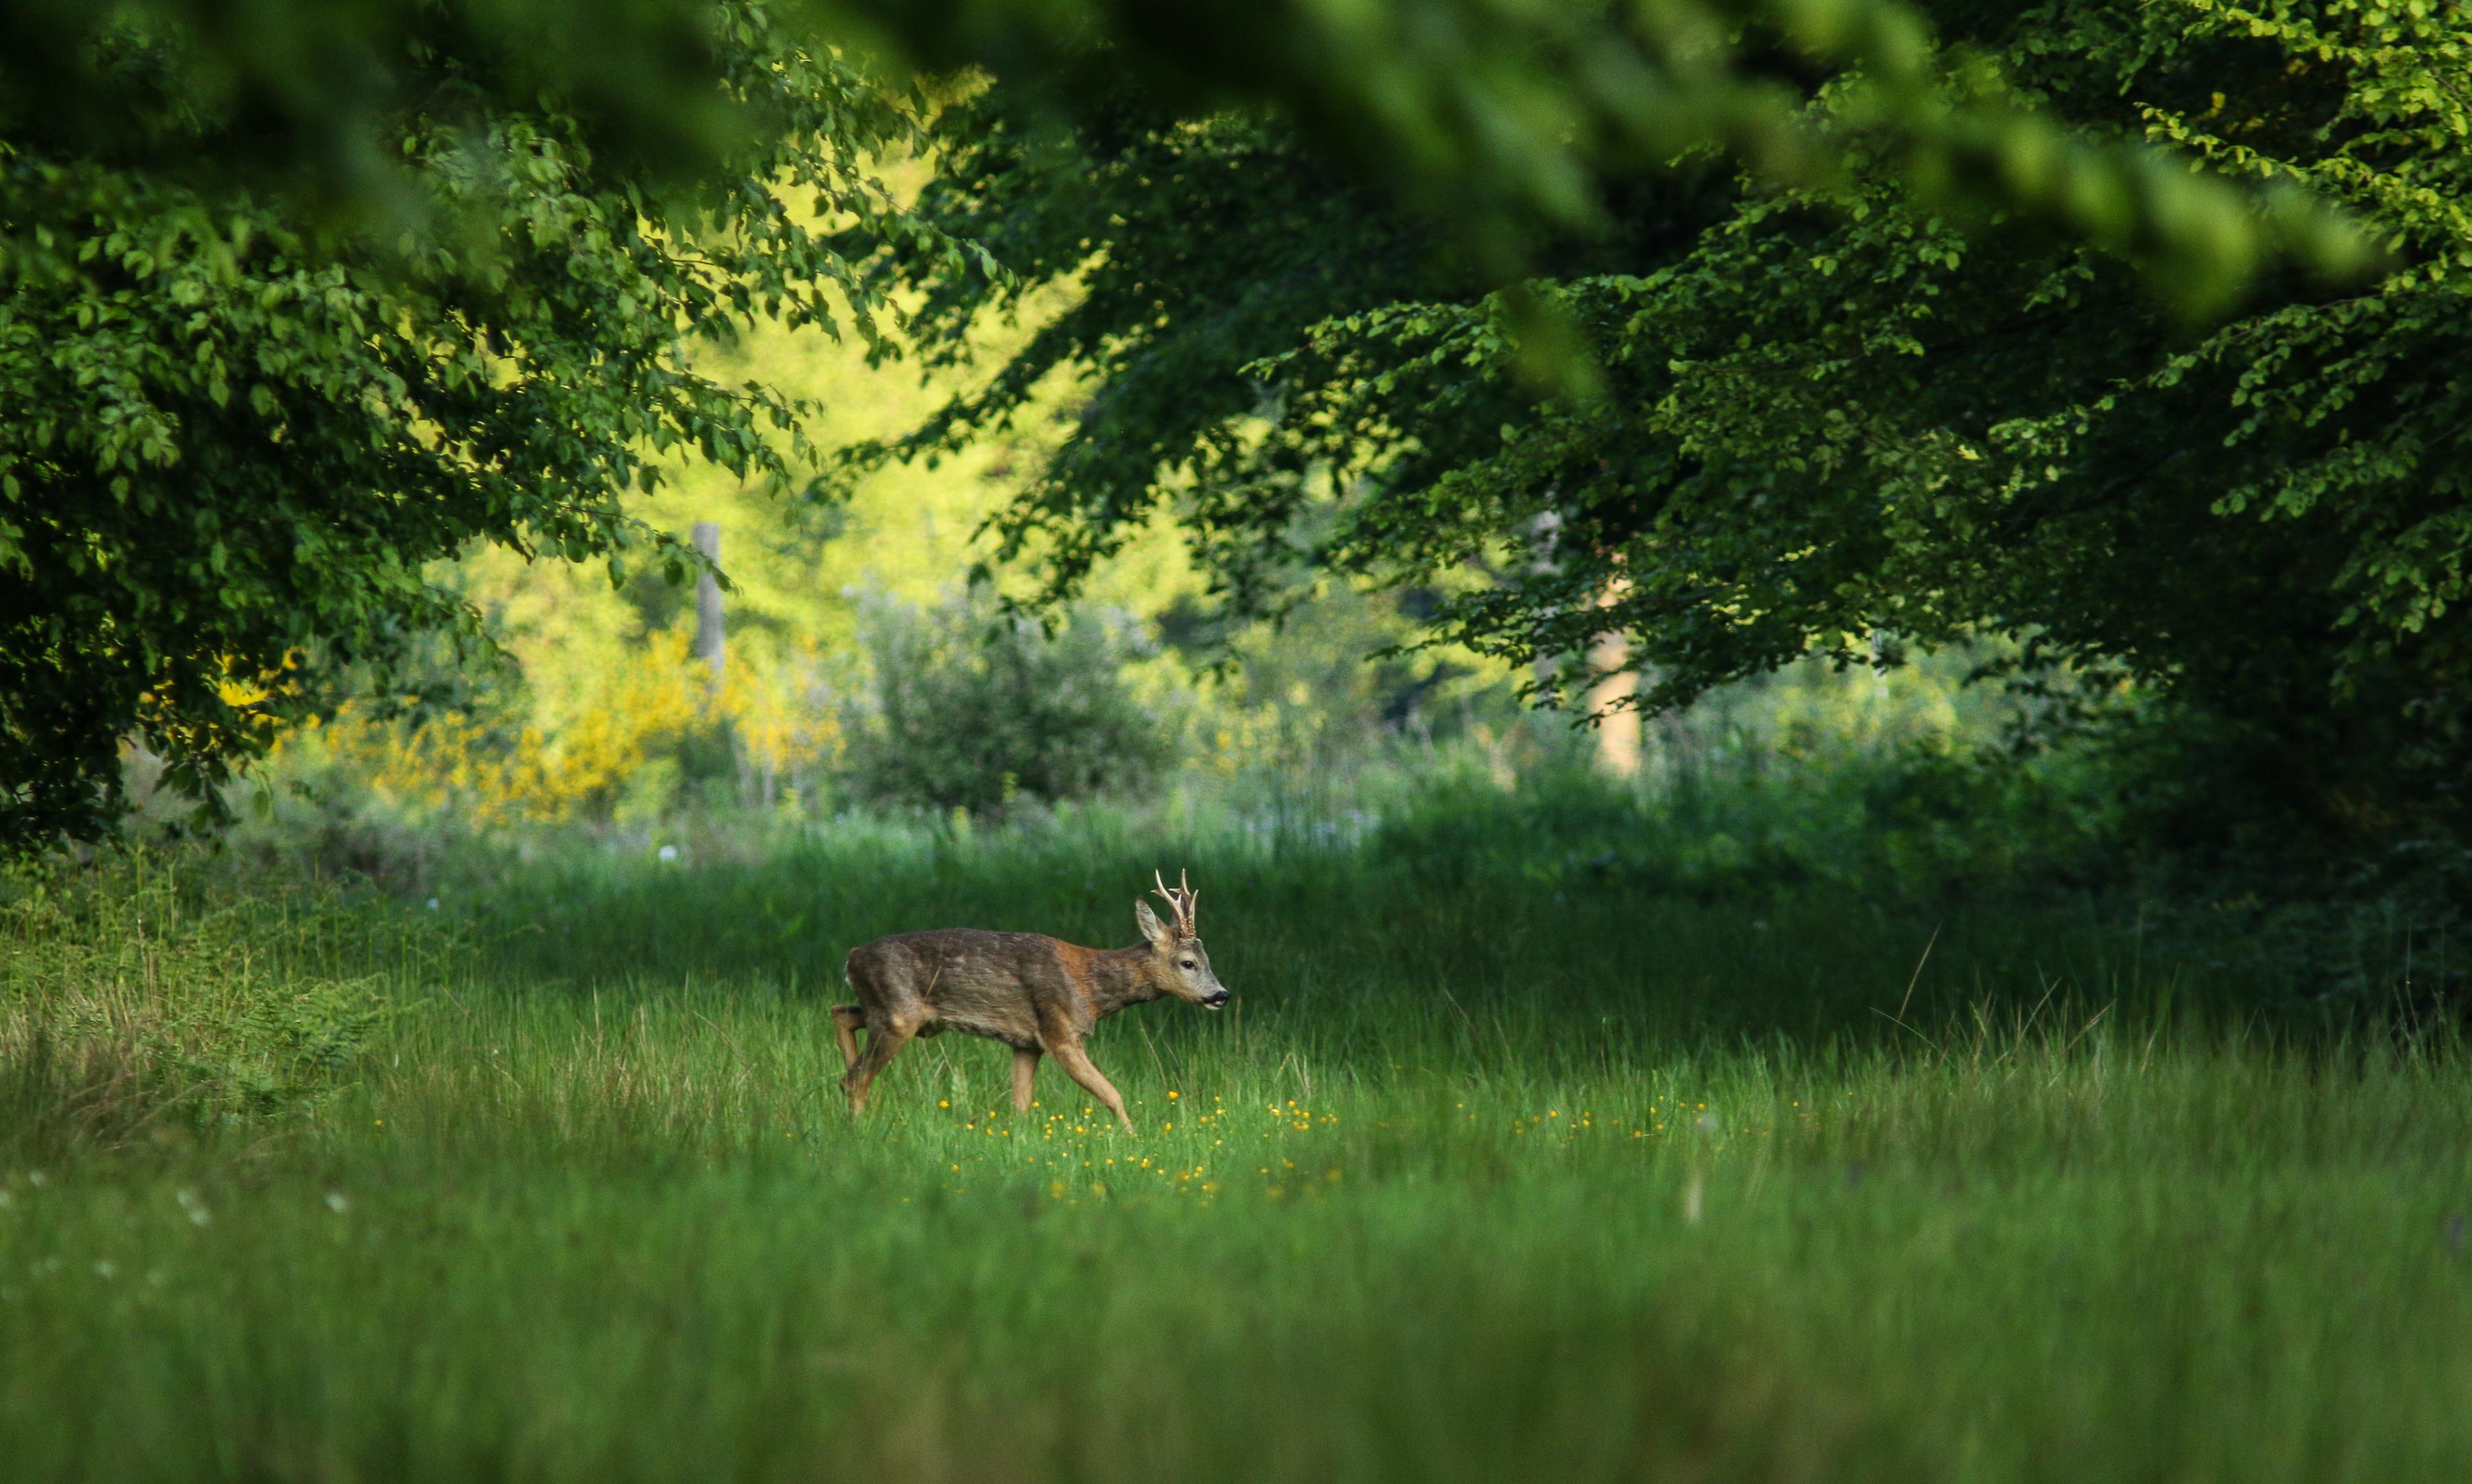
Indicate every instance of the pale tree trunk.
{"type": "Point", "coordinates": [1618, 732]}
{"type": "Point", "coordinates": [1618, 735]}
{"type": "Point", "coordinates": [1547, 530]}
{"type": "Point", "coordinates": [710, 645]}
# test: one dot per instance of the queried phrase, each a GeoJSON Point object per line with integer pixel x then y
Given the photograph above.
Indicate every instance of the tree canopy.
{"type": "Point", "coordinates": [1495, 117]}
{"type": "Point", "coordinates": [296, 297]}
{"type": "Point", "coordinates": [233, 430]}
{"type": "Point", "coordinates": [1826, 415]}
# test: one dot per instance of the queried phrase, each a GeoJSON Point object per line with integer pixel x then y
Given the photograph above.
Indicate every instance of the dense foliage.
{"type": "Point", "coordinates": [1495, 117]}
{"type": "Point", "coordinates": [299, 297]}
{"type": "Point", "coordinates": [1825, 417]}
{"type": "Point", "coordinates": [295, 298]}
{"type": "Point", "coordinates": [233, 428]}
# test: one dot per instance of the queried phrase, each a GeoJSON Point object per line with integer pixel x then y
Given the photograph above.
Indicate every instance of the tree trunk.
{"type": "Point", "coordinates": [1618, 736]}
{"type": "Point", "coordinates": [710, 644]}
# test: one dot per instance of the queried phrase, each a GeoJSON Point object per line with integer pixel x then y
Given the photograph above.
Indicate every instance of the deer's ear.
{"type": "Point", "coordinates": [1148, 921]}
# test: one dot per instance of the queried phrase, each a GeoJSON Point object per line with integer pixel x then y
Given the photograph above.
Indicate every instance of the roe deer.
{"type": "Point", "coordinates": [1032, 992]}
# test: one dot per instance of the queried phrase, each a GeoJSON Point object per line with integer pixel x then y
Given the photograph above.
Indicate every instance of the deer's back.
{"type": "Point", "coordinates": [990, 984]}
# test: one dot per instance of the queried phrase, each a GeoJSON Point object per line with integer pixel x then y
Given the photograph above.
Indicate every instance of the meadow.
{"type": "Point", "coordinates": [1495, 1170]}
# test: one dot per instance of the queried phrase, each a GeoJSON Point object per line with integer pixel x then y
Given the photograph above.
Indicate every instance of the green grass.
{"type": "Point", "coordinates": [1477, 1184]}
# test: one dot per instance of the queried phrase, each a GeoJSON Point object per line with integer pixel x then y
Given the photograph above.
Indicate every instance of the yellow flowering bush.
{"type": "Point", "coordinates": [486, 771]}
{"type": "Point", "coordinates": [782, 717]}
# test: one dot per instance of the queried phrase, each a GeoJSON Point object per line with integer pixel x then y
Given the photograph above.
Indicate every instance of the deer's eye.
{"type": "Point", "coordinates": [1184, 963]}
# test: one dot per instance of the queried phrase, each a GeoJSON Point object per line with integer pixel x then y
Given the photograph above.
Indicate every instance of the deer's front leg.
{"type": "Point", "coordinates": [1078, 1067]}
{"type": "Point", "coordinates": [1025, 1066]}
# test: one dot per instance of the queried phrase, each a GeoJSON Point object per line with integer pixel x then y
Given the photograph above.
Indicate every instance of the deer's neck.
{"type": "Point", "coordinates": [1120, 977]}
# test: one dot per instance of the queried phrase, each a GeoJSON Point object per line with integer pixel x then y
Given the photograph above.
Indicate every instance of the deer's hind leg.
{"type": "Point", "coordinates": [883, 1038]}
{"type": "Point", "coordinates": [888, 1007]}
{"type": "Point", "coordinates": [847, 1021]}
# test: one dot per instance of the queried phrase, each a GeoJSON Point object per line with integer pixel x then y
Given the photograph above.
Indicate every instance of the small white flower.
{"type": "Point", "coordinates": [433, 904]}
{"type": "Point", "coordinates": [669, 852]}
{"type": "Point", "coordinates": [336, 1202]}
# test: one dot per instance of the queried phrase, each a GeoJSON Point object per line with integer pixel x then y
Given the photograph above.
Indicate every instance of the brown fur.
{"type": "Point", "coordinates": [1036, 994]}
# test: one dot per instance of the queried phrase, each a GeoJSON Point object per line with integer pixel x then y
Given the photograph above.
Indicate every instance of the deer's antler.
{"type": "Point", "coordinates": [1181, 900]}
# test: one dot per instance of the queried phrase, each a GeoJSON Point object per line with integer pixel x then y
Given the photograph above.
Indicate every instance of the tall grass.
{"type": "Point", "coordinates": [1492, 1173]}
{"type": "Point", "coordinates": [130, 996]}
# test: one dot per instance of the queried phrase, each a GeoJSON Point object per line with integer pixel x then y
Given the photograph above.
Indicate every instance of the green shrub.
{"type": "Point", "coordinates": [973, 709]}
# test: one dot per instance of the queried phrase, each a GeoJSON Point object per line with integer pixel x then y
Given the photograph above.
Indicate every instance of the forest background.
{"type": "Point", "coordinates": [1201, 371]}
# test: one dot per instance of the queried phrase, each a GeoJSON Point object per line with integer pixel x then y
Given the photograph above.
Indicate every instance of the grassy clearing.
{"type": "Point", "coordinates": [1477, 1184]}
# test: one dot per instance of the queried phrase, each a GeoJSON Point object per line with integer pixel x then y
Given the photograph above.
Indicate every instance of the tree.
{"type": "Point", "coordinates": [1825, 416]}
{"type": "Point", "coordinates": [234, 428]}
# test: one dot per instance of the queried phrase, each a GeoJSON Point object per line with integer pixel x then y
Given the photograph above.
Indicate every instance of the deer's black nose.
{"type": "Point", "coordinates": [1216, 999]}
